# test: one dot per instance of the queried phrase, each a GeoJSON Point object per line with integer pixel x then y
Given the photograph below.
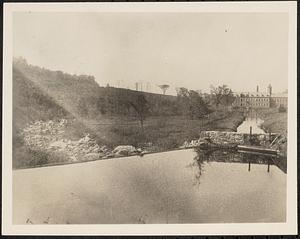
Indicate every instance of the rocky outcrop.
{"type": "Point", "coordinates": [49, 137]}
{"type": "Point", "coordinates": [42, 134]}
{"type": "Point", "coordinates": [84, 149]}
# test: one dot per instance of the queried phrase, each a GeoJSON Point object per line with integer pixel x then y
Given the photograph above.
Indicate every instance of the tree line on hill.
{"type": "Point", "coordinates": [188, 103]}
{"type": "Point", "coordinates": [82, 96]}
{"type": "Point", "coordinates": [41, 94]}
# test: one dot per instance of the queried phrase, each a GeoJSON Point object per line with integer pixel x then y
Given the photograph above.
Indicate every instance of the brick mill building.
{"type": "Point", "coordinates": [261, 100]}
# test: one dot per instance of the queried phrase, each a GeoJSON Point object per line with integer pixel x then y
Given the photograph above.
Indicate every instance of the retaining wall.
{"type": "Point", "coordinates": [224, 137]}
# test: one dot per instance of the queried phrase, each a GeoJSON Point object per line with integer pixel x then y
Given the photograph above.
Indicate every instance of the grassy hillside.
{"type": "Point", "coordinates": [111, 116]}
{"type": "Point", "coordinates": [65, 89]}
{"type": "Point", "coordinates": [274, 121]}
{"type": "Point", "coordinates": [84, 98]}
{"type": "Point", "coordinates": [30, 103]}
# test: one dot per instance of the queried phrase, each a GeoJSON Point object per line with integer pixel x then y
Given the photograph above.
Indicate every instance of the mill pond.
{"type": "Point", "coordinates": [183, 186]}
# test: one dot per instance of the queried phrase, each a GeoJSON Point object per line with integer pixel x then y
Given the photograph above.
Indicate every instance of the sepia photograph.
{"type": "Point", "coordinates": [126, 115]}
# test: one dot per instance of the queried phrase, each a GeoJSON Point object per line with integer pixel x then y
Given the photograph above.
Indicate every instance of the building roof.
{"type": "Point", "coordinates": [261, 94]}
{"type": "Point", "coordinates": [280, 95]}
{"type": "Point", "coordinates": [253, 94]}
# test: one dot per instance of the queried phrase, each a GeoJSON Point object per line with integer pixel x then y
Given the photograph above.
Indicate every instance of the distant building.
{"type": "Point", "coordinates": [253, 101]}
{"type": "Point", "coordinates": [261, 100]}
{"type": "Point", "coordinates": [280, 99]}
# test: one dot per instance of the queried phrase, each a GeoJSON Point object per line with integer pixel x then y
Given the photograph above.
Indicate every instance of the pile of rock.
{"type": "Point", "coordinates": [40, 134]}
{"type": "Point", "coordinates": [83, 149]}
{"type": "Point", "coordinates": [49, 137]}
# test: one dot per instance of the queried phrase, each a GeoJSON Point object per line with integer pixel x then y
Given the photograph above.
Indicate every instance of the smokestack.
{"type": "Point", "coordinates": [270, 90]}
{"type": "Point", "coordinates": [257, 89]}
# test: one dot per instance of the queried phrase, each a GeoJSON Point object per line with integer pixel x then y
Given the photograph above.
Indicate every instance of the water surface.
{"type": "Point", "coordinates": [172, 187]}
{"type": "Point", "coordinates": [253, 122]}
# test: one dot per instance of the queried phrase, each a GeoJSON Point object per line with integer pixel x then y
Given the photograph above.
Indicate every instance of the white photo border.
{"type": "Point", "coordinates": [288, 228]}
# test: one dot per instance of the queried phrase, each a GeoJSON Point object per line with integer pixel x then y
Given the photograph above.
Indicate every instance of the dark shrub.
{"type": "Point", "coordinates": [281, 109]}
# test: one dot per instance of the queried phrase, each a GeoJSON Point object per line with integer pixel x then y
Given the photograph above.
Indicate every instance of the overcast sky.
{"type": "Point", "coordinates": [192, 50]}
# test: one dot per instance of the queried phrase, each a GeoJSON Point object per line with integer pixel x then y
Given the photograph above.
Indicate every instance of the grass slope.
{"type": "Point", "coordinates": [274, 121]}
{"type": "Point", "coordinates": [41, 94]}
{"type": "Point", "coordinates": [30, 103]}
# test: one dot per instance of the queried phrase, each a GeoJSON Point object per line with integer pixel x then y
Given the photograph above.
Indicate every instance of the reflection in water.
{"type": "Point", "coordinates": [157, 188]}
{"type": "Point", "coordinates": [232, 156]}
{"type": "Point", "coordinates": [198, 163]}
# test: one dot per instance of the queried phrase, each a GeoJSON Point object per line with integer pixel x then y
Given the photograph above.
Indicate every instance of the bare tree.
{"type": "Point", "coordinates": [164, 88]}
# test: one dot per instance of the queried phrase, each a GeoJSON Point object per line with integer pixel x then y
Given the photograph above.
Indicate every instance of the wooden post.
{"type": "Point", "coordinates": [268, 166]}
{"type": "Point", "coordinates": [270, 137]}
{"type": "Point", "coordinates": [249, 166]}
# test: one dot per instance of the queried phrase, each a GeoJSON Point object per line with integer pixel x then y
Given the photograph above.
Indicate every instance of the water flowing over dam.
{"type": "Point", "coordinates": [254, 123]}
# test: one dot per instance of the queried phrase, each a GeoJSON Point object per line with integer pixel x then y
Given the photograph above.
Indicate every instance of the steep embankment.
{"type": "Point", "coordinates": [65, 89]}
{"type": "Point", "coordinates": [33, 104]}
{"type": "Point", "coordinates": [30, 103]}
{"type": "Point", "coordinates": [84, 98]}
{"type": "Point", "coordinates": [54, 112]}
{"type": "Point", "coordinates": [44, 98]}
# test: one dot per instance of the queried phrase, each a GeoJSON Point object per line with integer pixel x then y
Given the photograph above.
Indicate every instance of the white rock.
{"type": "Point", "coordinates": [58, 144]}
{"type": "Point", "coordinates": [73, 158]}
{"type": "Point", "coordinates": [92, 156]}
{"type": "Point", "coordinates": [124, 150]}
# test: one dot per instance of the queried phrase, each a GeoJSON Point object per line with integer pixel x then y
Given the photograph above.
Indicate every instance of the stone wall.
{"type": "Point", "coordinates": [224, 137]}
{"type": "Point", "coordinates": [234, 137]}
